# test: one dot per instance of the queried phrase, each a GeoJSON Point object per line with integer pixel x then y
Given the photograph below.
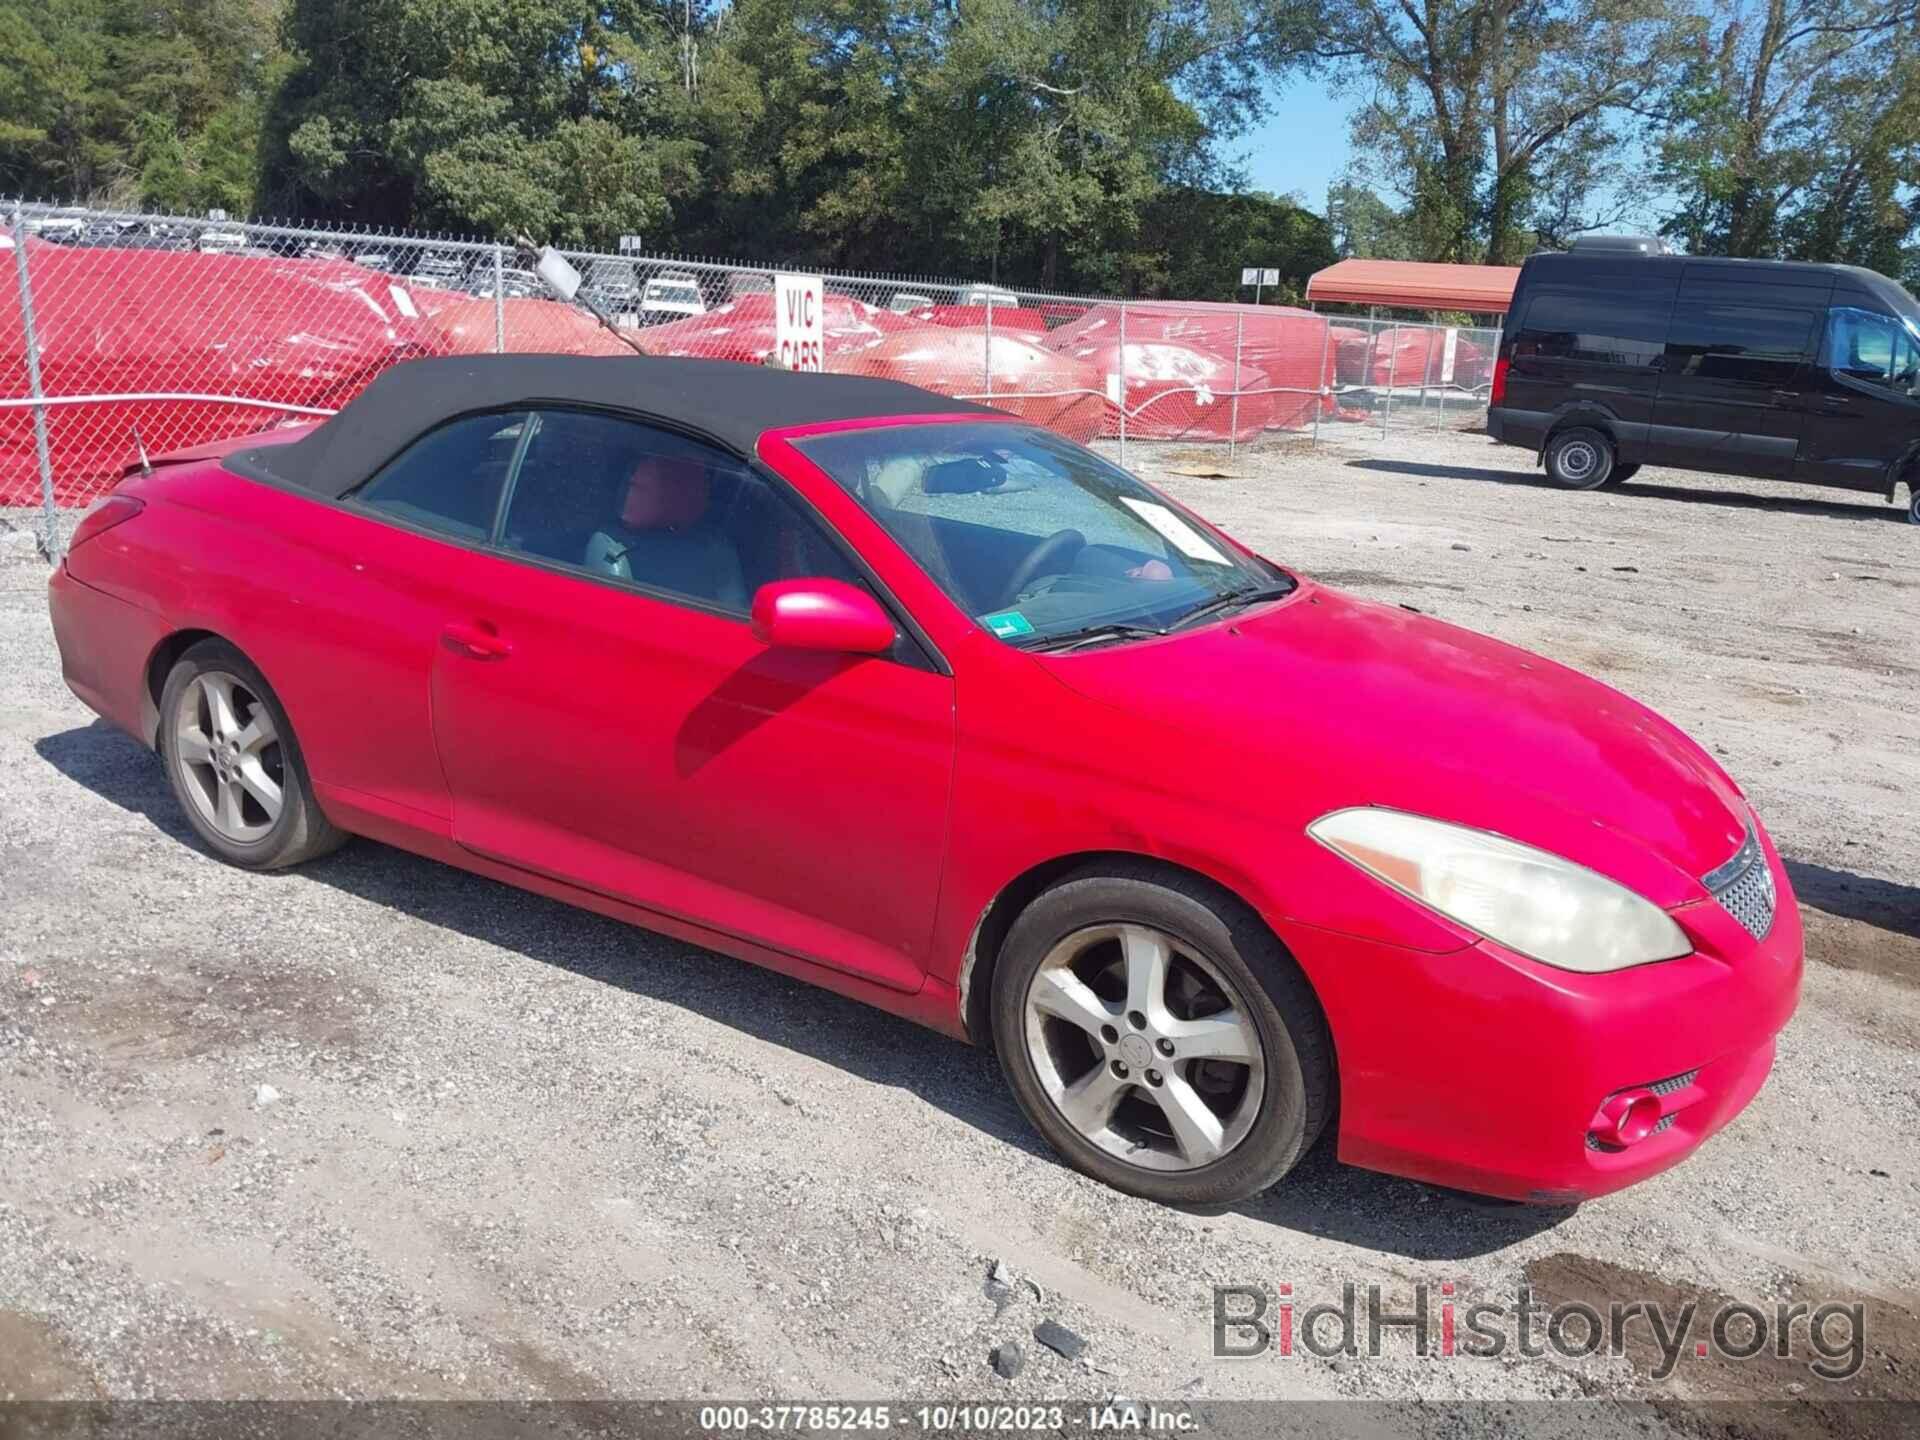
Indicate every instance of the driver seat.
{"type": "Point", "coordinates": [660, 535]}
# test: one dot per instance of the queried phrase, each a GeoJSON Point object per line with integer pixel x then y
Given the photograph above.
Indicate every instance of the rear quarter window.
{"type": "Point", "coordinates": [1614, 325]}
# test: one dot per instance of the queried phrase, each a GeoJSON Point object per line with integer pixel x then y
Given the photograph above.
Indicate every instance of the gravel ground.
{"type": "Point", "coordinates": [380, 1128]}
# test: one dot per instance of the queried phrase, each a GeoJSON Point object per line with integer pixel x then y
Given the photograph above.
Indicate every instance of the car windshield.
{"type": "Point", "coordinates": [1039, 539]}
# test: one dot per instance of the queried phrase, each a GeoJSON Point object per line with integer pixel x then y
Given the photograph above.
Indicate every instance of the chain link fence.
{"type": "Point", "coordinates": [123, 335]}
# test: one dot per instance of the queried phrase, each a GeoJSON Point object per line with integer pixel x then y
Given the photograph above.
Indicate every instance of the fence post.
{"type": "Point", "coordinates": [1233, 425]}
{"type": "Point", "coordinates": [1123, 384]}
{"type": "Point", "coordinates": [1320, 381]}
{"type": "Point", "coordinates": [499, 303]}
{"type": "Point", "coordinates": [1393, 372]}
{"type": "Point", "coordinates": [986, 359]}
{"type": "Point", "coordinates": [50, 540]}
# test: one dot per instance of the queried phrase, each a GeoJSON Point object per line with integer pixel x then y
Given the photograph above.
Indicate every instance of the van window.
{"type": "Point", "coordinates": [1866, 345]}
{"type": "Point", "coordinates": [1625, 327]}
{"type": "Point", "coordinates": [1764, 344]}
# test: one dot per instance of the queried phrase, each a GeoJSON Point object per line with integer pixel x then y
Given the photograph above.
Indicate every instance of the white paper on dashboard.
{"type": "Point", "coordinates": [1187, 540]}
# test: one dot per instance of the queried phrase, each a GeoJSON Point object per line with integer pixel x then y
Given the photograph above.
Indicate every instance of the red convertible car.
{"type": "Point", "coordinates": [940, 710]}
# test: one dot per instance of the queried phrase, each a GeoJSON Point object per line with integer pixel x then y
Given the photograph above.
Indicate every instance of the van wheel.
{"type": "Point", "coordinates": [1913, 505]}
{"type": "Point", "coordinates": [1621, 474]}
{"type": "Point", "coordinates": [1579, 459]}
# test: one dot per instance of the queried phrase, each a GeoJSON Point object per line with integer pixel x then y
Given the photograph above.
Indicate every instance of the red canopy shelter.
{"type": "Point", "coordinates": [1415, 285]}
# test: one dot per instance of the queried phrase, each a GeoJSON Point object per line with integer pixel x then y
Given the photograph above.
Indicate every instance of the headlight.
{"type": "Point", "coordinates": [1553, 910]}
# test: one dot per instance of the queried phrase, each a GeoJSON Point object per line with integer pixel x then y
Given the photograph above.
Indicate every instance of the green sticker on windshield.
{"type": "Point", "coordinates": [1007, 623]}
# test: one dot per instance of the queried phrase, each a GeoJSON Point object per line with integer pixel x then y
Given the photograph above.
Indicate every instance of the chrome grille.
{"type": "Point", "coordinates": [1744, 887]}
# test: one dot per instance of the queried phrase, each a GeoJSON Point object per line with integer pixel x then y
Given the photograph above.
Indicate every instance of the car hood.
{"type": "Point", "coordinates": [1325, 701]}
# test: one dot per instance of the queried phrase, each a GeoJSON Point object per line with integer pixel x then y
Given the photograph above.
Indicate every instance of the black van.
{"type": "Point", "coordinates": [1766, 368]}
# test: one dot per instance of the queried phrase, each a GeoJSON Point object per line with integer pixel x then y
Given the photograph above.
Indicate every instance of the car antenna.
{"type": "Point", "coordinates": [146, 465]}
{"type": "Point", "coordinates": [556, 272]}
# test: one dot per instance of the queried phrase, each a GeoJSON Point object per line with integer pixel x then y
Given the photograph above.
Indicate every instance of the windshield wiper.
{"type": "Point", "coordinates": [1234, 600]}
{"type": "Point", "coordinates": [1094, 634]}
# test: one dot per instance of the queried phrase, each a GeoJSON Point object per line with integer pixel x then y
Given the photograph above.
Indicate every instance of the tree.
{"type": "Point", "coordinates": [1496, 117]}
{"type": "Point", "coordinates": [1019, 140]}
{"type": "Point", "coordinates": [492, 115]}
{"type": "Point", "coordinates": [1363, 226]}
{"type": "Point", "coordinates": [1798, 131]}
{"type": "Point", "coordinates": [153, 102]}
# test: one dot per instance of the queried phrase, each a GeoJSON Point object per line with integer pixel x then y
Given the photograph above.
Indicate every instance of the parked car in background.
{"type": "Point", "coordinates": [1758, 368]}
{"type": "Point", "coordinates": [931, 706]}
{"type": "Point", "coordinates": [62, 227]}
{"type": "Point", "coordinates": [614, 289]}
{"type": "Point", "coordinates": [439, 269]}
{"type": "Point", "coordinates": [514, 284]}
{"type": "Point", "coordinates": [905, 302]}
{"type": "Point", "coordinates": [375, 257]}
{"type": "Point", "coordinates": [221, 240]}
{"type": "Point", "coordinates": [671, 296]}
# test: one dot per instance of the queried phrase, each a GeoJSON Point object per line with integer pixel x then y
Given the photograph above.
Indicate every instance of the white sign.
{"type": "Point", "coordinates": [1270, 277]}
{"type": "Point", "coordinates": [1250, 275]}
{"type": "Point", "coordinates": [631, 244]}
{"type": "Point", "coordinates": [1187, 540]}
{"type": "Point", "coordinates": [558, 274]}
{"type": "Point", "coordinates": [1447, 354]}
{"type": "Point", "coordinates": [799, 322]}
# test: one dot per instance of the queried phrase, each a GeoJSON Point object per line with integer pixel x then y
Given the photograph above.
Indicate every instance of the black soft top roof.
{"type": "Point", "coordinates": [723, 400]}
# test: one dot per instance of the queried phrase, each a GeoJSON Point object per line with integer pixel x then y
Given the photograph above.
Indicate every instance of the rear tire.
{"type": "Point", "coordinates": [1621, 474]}
{"type": "Point", "coordinates": [1913, 505]}
{"type": "Point", "coordinates": [1579, 458]}
{"type": "Point", "coordinates": [233, 762]}
{"type": "Point", "coordinates": [1160, 1038]}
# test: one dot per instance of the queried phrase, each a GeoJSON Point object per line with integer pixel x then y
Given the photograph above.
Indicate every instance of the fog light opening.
{"type": "Point", "coordinates": [1627, 1118]}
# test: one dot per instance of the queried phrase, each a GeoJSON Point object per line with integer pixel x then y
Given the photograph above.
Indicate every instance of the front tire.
{"type": "Point", "coordinates": [1579, 458]}
{"type": "Point", "coordinates": [1913, 505]}
{"type": "Point", "coordinates": [1160, 1038]}
{"type": "Point", "coordinates": [1621, 474]}
{"type": "Point", "coordinates": [233, 762]}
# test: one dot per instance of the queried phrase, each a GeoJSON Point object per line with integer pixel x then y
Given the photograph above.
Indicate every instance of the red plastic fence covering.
{"type": "Point", "coordinates": [1022, 319]}
{"type": "Point", "coordinates": [1007, 371]}
{"type": "Point", "coordinates": [1286, 361]}
{"type": "Point", "coordinates": [465, 325]}
{"type": "Point", "coordinates": [1408, 356]}
{"type": "Point", "coordinates": [113, 321]}
{"type": "Point", "coordinates": [743, 329]}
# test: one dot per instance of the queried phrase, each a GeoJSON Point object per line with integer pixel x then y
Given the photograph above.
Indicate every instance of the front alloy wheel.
{"type": "Point", "coordinates": [1144, 1048]}
{"type": "Point", "coordinates": [1159, 1036]}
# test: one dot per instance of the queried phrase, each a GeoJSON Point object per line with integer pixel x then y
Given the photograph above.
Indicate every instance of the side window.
{"type": "Point", "coordinates": [1723, 341]}
{"type": "Point", "coordinates": [1866, 345]}
{"type": "Point", "coordinates": [1617, 327]}
{"type": "Point", "coordinates": [449, 480]}
{"type": "Point", "coordinates": [616, 498]}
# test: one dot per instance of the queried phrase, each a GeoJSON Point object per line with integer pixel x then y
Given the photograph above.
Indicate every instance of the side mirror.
{"type": "Point", "coordinates": [820, 615]}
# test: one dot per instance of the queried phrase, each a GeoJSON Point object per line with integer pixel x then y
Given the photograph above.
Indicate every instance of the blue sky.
{"type": "Point", "coordinates": [1302, 146]}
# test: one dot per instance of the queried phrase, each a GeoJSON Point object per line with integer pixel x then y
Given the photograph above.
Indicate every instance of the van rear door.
{"type": "Point", "coordinates": [1587, 336]}
{"type": "Point", "coordinates": [1739, 360]}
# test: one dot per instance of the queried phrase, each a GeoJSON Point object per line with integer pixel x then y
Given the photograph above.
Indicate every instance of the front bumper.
{"type": "Point", "coordinates": [1482, 1070]}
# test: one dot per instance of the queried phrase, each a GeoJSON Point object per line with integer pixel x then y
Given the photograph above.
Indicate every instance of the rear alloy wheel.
{"type": "Point", "coordinates": [1579, 459]}
{"type": "Point", "coordinates": [234, 764]}
{"type": "Point", "coordinates": [1137, 1023]}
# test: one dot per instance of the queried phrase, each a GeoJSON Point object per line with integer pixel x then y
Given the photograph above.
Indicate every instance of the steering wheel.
{"type": "Point", "coordinates": [1049, 557]}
